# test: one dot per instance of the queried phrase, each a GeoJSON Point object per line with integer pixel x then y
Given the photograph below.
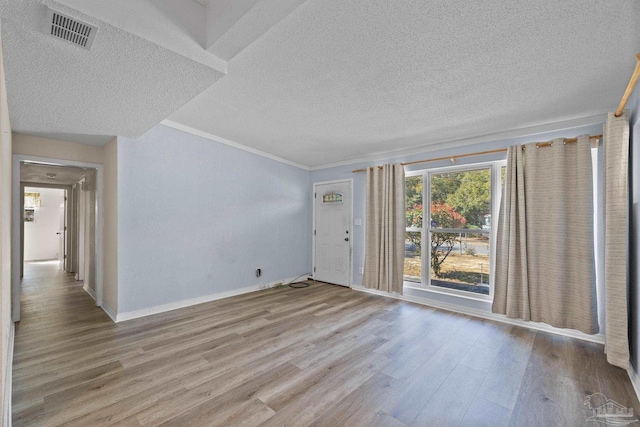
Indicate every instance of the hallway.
{"type": "Point", "coordinates": [54, 306]}
{"type": "Point", "coordinates": [48, 297]}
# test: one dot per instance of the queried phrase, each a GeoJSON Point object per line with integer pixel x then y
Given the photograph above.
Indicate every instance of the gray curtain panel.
{"type": "Point", "coordinates": [616, 208]}
{"type": "Point", "coordinates": [545, 267]}
{"type": "Point", "coordinates": [385, 227]}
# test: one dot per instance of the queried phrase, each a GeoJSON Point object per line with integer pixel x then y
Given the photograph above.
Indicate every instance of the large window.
{"type": "Point", "coordinates": [413, 236]}
{"type": "Point", "coordinates": [451, 250]}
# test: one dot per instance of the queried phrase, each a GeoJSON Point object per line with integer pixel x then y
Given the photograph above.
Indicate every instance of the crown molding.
{"type": "Point", "coordinates": [230, 143]}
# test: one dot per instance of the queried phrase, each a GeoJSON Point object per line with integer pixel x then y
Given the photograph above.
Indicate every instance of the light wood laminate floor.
{"type": "Point", "coordinates": [321, 356]}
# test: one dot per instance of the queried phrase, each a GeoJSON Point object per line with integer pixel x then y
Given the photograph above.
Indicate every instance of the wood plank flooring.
{"type": "Point", "coordinates": [319, 356]}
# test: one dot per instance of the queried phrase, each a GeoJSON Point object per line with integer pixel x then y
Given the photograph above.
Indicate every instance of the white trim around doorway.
{"type": "Point", "coordinates": [15, 225]}
{"type": "Point", "coordinates": [313, 226]}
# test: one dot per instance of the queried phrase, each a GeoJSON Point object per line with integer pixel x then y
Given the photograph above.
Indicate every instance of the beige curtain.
{"type": "Point", "coordinates": [545, 268]}
{"type": "Point", "coordinates": [385, 226]}
{"type": "Point", "coordinates": [511, 243]}
{"type": "Point", "coordinates": [616, 208]}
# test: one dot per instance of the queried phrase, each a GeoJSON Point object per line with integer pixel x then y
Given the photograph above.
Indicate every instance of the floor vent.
{"type": "Point", "coordinates": [70, 29]}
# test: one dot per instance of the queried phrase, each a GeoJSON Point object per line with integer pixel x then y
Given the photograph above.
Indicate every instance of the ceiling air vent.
{"type": "Point", "coordinates": [70, 29]}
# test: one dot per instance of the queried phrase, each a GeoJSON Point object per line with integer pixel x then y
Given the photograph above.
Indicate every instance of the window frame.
{"type": "Point", "coordinates": [495, 168]}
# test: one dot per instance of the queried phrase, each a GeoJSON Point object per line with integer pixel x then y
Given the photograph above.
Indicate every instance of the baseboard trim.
{"type": "Point", "coordinates": [635, 379]}
{"type": "Point", "coordinates": [163, 308]}
{"type": "Point", "coordinates": [571, 333]}
{"type": "Point", "coordinates": [90, 291]}
{"type": "Point", "coordinates": [110, 312]}
{"type": "Point", "coordinates": [6, 407]}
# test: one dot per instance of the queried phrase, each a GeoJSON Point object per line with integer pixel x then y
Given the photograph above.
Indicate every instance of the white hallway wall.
{"type": "Point", "coordinates": [40, 238]}
{"type": "Point", "coordinates": [196, 218]}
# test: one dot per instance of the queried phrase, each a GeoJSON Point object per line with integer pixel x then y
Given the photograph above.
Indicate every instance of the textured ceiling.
{"type": "Point", "coordinates": [177, 25]}
{"type": "Point", "coordinates": [123, 86]}
{"type": "Point", "coordinates": [338, 80]}
{"type": "Point", "coordinates": [246, 25]}
{"type": "Point", "coordinates": [64, 175]}
{"type": "Point", "coordinates": [321, 81]}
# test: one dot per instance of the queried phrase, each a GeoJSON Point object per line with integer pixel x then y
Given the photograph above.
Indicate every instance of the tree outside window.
{"type": "Point", "coordinates": [460, 206]}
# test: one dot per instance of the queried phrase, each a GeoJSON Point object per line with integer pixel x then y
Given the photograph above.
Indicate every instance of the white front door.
{"type": "Point", "coordinates": [332, 232]}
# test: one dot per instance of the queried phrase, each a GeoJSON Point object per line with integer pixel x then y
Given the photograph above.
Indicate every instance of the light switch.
{"type": "Point", "coordinates": [357, 221]}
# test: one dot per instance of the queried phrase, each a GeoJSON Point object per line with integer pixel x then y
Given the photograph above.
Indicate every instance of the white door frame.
{"type": "Point", "coordinates": [16, 221]}
{"type": "Point", "coordinates": [313, 226]}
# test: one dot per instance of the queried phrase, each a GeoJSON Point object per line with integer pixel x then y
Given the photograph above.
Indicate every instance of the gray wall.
{"type": "Point", "coordinates": [196, 217]}
{"type": "Point", "coordinates": [634, 257]}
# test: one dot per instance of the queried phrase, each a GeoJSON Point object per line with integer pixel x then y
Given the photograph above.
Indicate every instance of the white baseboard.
{"type": "Point", "coordinates": [6, 409]}
{"type": "Point", "coordinates": [635, 379]}
{"type": "Point", "coordinates": [110, 312]}
{"type": "Point", "coordinates": [572, 333]}
{"type": "Point", "coordinates": [90, 291]}
{"type": "Point", "coordinates": [129, 315]}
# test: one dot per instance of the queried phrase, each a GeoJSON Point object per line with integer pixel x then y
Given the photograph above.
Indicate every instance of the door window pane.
{"type": "Point", "coordinates": [460, 261]}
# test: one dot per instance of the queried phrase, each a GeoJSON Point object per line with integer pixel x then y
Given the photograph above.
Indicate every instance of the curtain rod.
{"type": "Point", "coordinates": [480, 153]}
{"type": "Point", "coordinates": [632, 83]}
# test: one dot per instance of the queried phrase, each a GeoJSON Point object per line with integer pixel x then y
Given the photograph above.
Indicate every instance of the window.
{"type": "Point", "coordinates": [413, 236]}
{"type": "Point", "coordinates": [451, 250]}
{"type": "Point", "coordinates": [332, 197]}
{"type": "Point", "coordinates": [32, 200]}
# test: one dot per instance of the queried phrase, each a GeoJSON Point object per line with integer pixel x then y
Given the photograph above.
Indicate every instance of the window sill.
{"type": "Point", "coordinates": [448, 292]}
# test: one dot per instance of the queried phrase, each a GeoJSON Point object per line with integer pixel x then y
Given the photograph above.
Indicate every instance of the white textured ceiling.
{"type": "Point", "coordinates": [177, 25]}
{"type": "Point", "coordinates": [322, 81]}
{"type": "Point", "coordinates": [339, 80]}
{"type": "Point", "coordinates": [123, 86]}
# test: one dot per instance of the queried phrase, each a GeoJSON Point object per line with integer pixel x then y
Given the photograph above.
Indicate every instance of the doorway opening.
{"type": "Point", "coordinates": [45, 225]}
{"type": "Point", "coordinates": [56, 226]}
